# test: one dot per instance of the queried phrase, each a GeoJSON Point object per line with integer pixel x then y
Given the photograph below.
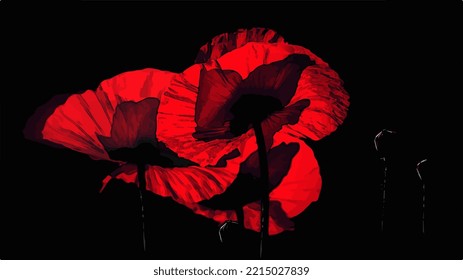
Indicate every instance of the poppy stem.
{"type": "Point", "coordinates": [264, 179]}
{"type": "Point", "coordinates": [141, 189]}
{"type": "Point", "coordinates": [423, 200]}
{"type": "Point", "coordinates": [240, 216]}
{"type": "Point", "coordinates": [383, 189]}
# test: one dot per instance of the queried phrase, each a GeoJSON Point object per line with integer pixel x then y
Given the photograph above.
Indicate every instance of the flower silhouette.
{"type": "Point", "coordinates": [199, 127]}
{"type": "Point", "coordinates": [83, 120]}
{"type": "Point", "coordinates": [119, 121]}
{"type": "Point", "coordinates": [240, 78]}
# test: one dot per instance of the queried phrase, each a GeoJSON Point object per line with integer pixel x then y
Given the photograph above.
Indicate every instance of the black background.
{"type": "Point", "coordinates": [401, 66]}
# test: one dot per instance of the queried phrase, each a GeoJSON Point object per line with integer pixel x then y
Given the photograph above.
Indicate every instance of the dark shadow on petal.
{"type": "Point", "coordinates": [133, 123]}
{"type": "Point", "coordinates": [173, 157]}
{"type": "Point", "coordinates": [228, 107]}
{"type": "Point", "coordinates": [231, 155]}
{"type": "Point", "coordinates": [246, 187]}
{"type": "Point", "coordinates": [278, 79]}
{"type": "Point", "coordinates": [279, 216]}
{"type": "Point", "coordinates": [289, 115]}
{"type": "Point", "coordinates": [133, 136]}
{"type": "Point", "coordinates": [212, 111]}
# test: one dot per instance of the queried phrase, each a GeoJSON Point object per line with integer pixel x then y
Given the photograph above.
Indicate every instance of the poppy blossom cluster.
{"type": "Point", "coordinates": [193, 130]}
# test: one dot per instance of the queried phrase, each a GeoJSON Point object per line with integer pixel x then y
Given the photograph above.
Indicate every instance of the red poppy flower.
{"type": "Point", "coordinates": [84, 119]}
{"type": "Point", "coordinates": [293, 191]}
{"type": "Point", "coordinates": [207, 111]}
{"type": "Point", "coordinates": [196, 121]}
{"type": "Point", "coordinates": [124, 113]}
{"type": "Point", "coordinates": [312, 104]}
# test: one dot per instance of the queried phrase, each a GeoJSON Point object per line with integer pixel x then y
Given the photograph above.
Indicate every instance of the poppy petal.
{"type": "Point", "coordinates": [296, 189]}
{"type": "Point", "coordinates": [219, 90]}
{"type": "Point", "coordinates": [329, 102]}
{"type": "Point", "coordinates": [302, 185]}
{"type": "Point", "coordinates": [318, 83]}
{"type": "Point", "coordinates": [76, 123]}
{"type": "Point", "coordinates": [278, 79]}
{"type": "Point", "coordinates": [278, 220]}
{"type": "Point", "coordinates": [275, 122]}
{"type": "Point", "coordinates": [226, 42]}
{"type": "Point", "coordinates": [176, 122]}
{"type": "Point", "coordinates": [255, 54]}
{"type": "Point", "coordinates": [216, 88]}
{"type": "Point", "coordinates": [246, 188]}
{"type": "Point", "coordinates": [279, 160]}
{"type": "Point", "coordinates": [183, 184]}
{"type": "Point", "coordinates": [133, 123]}
{"type": "Point", "coordinates": [188, 184]}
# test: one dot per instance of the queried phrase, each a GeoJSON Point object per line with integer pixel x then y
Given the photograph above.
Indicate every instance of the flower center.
{"type": "Point", "coordinates": [251, 109]}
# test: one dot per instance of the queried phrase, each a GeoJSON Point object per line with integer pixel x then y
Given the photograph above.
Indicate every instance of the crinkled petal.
{"type": "Point", "coordinates": [226, 42]}
{"type": "Point", "coordinates": [176, 122]}
{"type": "Point", "coordinates": [76, 123]}
{"type": "Point", "coordinates": [216, 89]}
{"type": "Point", "coordinates": [329, 103]}
{"type": "Point", "coordinates": [192, 183]}
{"type": "Point", "coordinates": [246, 188]}
{"type": "Point", "coordinates": [183, 184]}
{"type": "Point", "coordinates": [219, 90]}
{"type": "Point", "coordinates": [318, 83]}
{"type": "Point", "coordinates": [295, 190]}
{"type": "Point", "coordinates": [133, 123]}
{"type": "Point", "coordinates": [275, 122]}
{"type": "Point", "coordinates": [278, 79]}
